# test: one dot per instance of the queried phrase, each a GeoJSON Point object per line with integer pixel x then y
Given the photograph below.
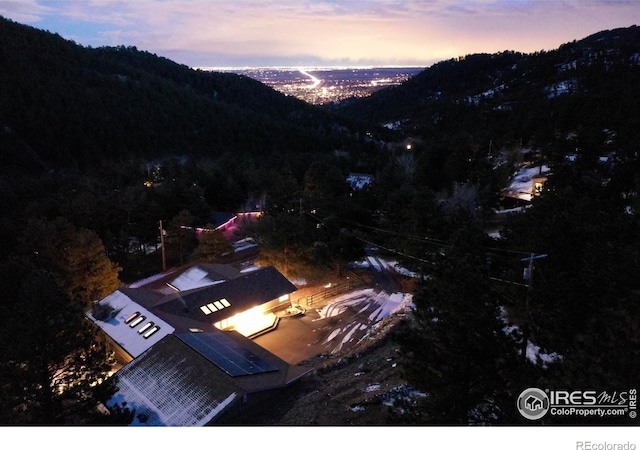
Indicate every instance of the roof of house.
{"type": "Point", "coordinates": [220, 218]}
{"type": "Point", "coordinates": [285, 375]}
{"type": "Point", "coordinates": [185, 372]}
{"type": "Point", "coordinates": [203, 275]}
{"type": "Point", "coordinates": [172, 385]}
{"type": "Point", "coordinates": [134, 327]}
{"type": "Point", "coordinates": [521, 186]}
{"type": "Point", "coordinates": [221, 301]}
{"type": "Point", "coordinates": [193, 309]}
{"type": "Point", "coordinates": [189, 379]}
{"type": "Point", "coordinates": [187, 277]}
{"type": "Point", "coordinates": [358, 181]}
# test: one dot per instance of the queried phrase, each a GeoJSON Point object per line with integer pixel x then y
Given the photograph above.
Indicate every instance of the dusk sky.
{"type": "Point", "coordinates": [267, 33]}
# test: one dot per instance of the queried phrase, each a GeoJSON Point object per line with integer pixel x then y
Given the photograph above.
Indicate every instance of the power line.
{"type": "Point", "coordinates": [395, 251]}
{"type": "Point", "coordinates": [530, 258]}
{"type": "Point", "coordinates": [427, 240]}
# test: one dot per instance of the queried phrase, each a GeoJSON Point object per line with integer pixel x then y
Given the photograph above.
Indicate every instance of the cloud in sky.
{"type": "Point", "coordinates": [325, 32]}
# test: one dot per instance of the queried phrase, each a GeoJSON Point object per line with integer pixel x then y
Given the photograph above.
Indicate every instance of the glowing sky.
{"type": "Point", "coordinates": [223, 33]}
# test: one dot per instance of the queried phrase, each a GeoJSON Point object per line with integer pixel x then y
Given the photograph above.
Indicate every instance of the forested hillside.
{"type": "Point", "coordinates": [63, 105]}
{"type": "Point", "coordinates": [582, 97]}
{"type": "Point", "coordinates": [100, 144]}
{"type": "Point", "coordinates": [483, 331]}
{"type": "Point", "coordinates": [82, 129]}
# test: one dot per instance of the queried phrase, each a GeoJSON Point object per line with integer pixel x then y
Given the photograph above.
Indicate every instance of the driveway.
{"type": "Point", "coordinates": [341, 323]}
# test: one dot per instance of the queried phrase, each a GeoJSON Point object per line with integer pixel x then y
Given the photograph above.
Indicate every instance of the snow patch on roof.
{"type": "Point", "coordinates": [124, 334]}
{"type": "Point", "coordinates": [521, 185]}
{"type": "Point", "coordinates": [194, 278]}
{"type": "Point", "coordinates": [359, 180]}
{"type": "Point", "coordinates": [163, 393]}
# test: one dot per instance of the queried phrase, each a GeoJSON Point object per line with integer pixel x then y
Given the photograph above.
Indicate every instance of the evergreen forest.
{"type": "Point", "coordinates": [100, 144]}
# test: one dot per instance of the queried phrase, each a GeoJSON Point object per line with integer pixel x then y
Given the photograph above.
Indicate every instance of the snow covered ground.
{"type": "Point", "coordinates": [380, 264]}
{"type": "Point", "coordinates": [369, 306]}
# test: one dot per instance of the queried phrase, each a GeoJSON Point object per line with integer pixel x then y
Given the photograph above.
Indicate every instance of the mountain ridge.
{"type": "Point", "coordinates": [72, 105]}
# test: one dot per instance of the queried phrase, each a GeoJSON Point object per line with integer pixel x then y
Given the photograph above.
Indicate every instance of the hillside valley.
{"type": "Point", "coordinates": [111, 154]}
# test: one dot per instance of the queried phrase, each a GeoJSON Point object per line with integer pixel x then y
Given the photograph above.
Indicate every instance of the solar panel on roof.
{"type": "Point", "coordinates": [226, 353]}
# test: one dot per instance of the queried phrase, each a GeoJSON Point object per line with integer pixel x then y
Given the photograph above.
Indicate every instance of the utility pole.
{"type": "Point", "coordinates": [528, 276]}
{"type": "Point", "coordinates": [164, 260]}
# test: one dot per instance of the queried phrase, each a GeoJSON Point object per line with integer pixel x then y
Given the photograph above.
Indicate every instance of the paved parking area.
{"type": "Point", "coordinates": [330, 328]}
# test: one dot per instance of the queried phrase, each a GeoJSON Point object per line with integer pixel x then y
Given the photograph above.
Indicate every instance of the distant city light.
{"type": "Point", "coordinates": [323, 85]}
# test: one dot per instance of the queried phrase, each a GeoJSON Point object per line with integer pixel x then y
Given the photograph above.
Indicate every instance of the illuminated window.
{"type": "Point", "coordinates": [284, 298]}
{"type": "Point", "coordinates": [215, 306]}
{"type": "Point", "coordinates": [223, 324]}
{"type": "Point", "coordinates": [145, 328]}
{"type": "Point", "coordinates": [137, 321]}
{"type": "Point", "coordinates": [131, 317]}
{"type": "Point", "coordinates": [150, 333]}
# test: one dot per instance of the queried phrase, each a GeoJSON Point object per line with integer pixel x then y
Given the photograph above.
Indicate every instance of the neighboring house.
{"type": "Point", "coordinates": [359, 181]}
{"type": "Point", "coordinates": [228, 223]}
{"type": "Point", "coordinates": [527, 183]}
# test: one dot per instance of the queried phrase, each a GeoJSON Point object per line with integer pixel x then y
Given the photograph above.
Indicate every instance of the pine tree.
{"type": "Point", "coordinates": [76, 257]}
{"type": "Point", "coordinates": [50, 354]}
{"type": "Point", "coordinates": [455, 347]}
{"type": "Point", "coordinates": [181, 239]}
{"type": "Point", "coordinates": [89, 273]}
{"type": "Point", "coordinates": [212, 245]}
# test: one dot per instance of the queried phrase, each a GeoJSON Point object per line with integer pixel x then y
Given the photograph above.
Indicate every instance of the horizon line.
{"type": "Point", "coordinates": [308, 67]}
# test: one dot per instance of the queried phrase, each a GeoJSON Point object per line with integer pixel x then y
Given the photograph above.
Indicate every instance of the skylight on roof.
{"type": "Point", "coordinates": [131, 317]}
{"type": "Point", "coordinates": [145, 328]}
{"type": "Point", "coordinates": [137, 321]}
{"type": "Point", "coordinates": [215, 306]}
{"type": "Point", "coordinates": [152, 331]}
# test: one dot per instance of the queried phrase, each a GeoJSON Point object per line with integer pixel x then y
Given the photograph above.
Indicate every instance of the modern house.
{"type": "Point", "coordinates": [246, 303]}
{"type": "Point", "coordinates": [184, 343]}
{"type": "Point", "coordinates": [204, 297]}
